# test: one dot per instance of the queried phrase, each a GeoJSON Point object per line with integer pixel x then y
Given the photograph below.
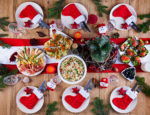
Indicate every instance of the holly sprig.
{"type": "Point", "coordinates": [51, 108]}
{"type": "Point", "coordinates": [100, 8]}
{"type": "Point", "coordinates": [99, 107]}
{"type": "Point", "coordinates": [55, 11]}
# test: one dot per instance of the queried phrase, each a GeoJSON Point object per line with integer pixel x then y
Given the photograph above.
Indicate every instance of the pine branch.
{"type": "Point", "coordinates": [51, 108]}
{"type": "Point", "coordinates": [55, 11]}
{"type": "Point", "coordinates": [3, 35]}
{"type": "Point", "coordinates": [142, 16]}
{"type": "Point", "coordinates": [101, 8]}
{"type": "Point", "coordinates": [146, 87]}
{"type": "Point", "coordinates": [145, 27]}
{"type": "Point", "coordinates": [3, 23]}
{"type": "Point", "coordinates": [99, 107]}
{"type": "Point", "coordinates": [4, 45]}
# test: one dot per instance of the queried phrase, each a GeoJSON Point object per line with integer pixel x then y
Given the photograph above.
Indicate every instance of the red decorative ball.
{"type": "Point", "coordinates": [51, 69]}
{"type": "Point", "coordinates": [92, 19]}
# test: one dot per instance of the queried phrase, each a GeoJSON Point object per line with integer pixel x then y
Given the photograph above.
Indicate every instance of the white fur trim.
{"type": "Point", "coordinates": [80, 19]}
{"type": "Point", "coordinates": [131, 94]}
{"type": "Point", "coordinates": [102, 29]}
{"type": "Point", "coordinates": [103, 84]}
{"type": "Point", "coordinates": [84, 93]}
{"type": "Point", "coordinates": [51, 84]}
{"type": "Point", "coordinates": [36, 19]}
{"type": "Point", "coordinates": [130, 19]}
{"type": "Point", "coordinates": [38, 93]}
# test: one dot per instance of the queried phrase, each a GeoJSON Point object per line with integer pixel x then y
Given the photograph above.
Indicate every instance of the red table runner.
{"type": "Point", "coordinates": [26, 42]}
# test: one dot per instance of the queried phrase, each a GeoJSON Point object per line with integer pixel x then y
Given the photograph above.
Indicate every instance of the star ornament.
{"type": "Point", "coordinates": [28, 90]}
{"type": "Point", "coordinates": [75, 90]}
{"type": "Point", "coordinates": [125, 26]}
{"type": "Point", "coordinates": [122, 91]}
{"type": "Point", "coordinates": [28, 24]}
{"type": "Point", "coordinates": [74, 25]}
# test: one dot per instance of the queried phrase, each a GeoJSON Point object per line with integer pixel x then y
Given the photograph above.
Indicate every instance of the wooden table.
{"type": "Point", "coordinates": [8, 95]}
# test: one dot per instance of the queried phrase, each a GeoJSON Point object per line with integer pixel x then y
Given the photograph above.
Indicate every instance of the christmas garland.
{"type": "Point", "coordinates": [3, 23]}
{"type": "Point", "coordinates": [55, 11]}
{"type": "Point", "coordinates": [99, 107]}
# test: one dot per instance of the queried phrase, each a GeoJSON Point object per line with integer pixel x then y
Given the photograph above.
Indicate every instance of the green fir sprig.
{"type": "Point", "coordinates": [145, 27]}
{"type": "Point", "coordinates": [99, 107]}
{"type": "Point", "coordinates": [146, 87]}
{"type": "Point", "coordinates": [3, 23]}
{"type": "Point", "coordinates": [142, 16]}
{"type": "Point", "coordinates": [101, 8]}
{"type": "Point", "coordinates": [51, 108]}
{"type": "Point", "coordinates": [55, 11]}
{"type": "Point", "coordinates": [4, 45]}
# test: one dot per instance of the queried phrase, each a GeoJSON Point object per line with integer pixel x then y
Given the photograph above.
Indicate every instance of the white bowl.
{"type": "Point", "coordinates": [71, 82]}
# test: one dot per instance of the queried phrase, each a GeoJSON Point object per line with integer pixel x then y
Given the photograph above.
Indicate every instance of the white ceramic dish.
{"type": "Point", "coordinates": [68, 91]}
{"type": "Point", "coordinates": [37, 107]}
{"type": "Point", "coordinates": [67, 20]}
{"type": "Point", "coordinates": [114, 94]}
{"type": "Point", "coordinates": [66, 81]}
{"type": "Point", "coordinates": [117, 21]}
{"type": "Point", "coordinates": [37, 73]}
{"type": "Point", "coordinates": [21, 21]}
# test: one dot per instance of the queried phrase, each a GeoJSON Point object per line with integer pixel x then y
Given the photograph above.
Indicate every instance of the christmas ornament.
{"type": "Point", "coordinates": [125, 26]}
{"type": "Point", "coordinates": [28, 24]}
{"type": "Point", "coordinates": [50, 69]}
{"type": "Point", "coordinates": [126, 100]}
{"type": "Point", "coordinates": [92, 19]}
{"type": "Point", "coordinates": [26, 80]}
{"type": "Point", "coordinates": [75, 90]}
{"type": "Point", "coordinates": [121, 91]}
{"type": "Point", "coordinates": [51, 85]}
{"type": "Point", "coordinates": [73, 11]}
{"type": "Point", "coordinates": [123, 12]}
{"type": "Point", "coordinates": [104, 83]}
{"type": "Point", "coordinates": [74, 25]}
{"type": "Point", "coordinates": [77, 101]}
{"type": "Point", "coordinates": [102, 29]}
{"type": "Point", "coordinates": [115, 69]}
{"type": "Point", "coordinates": [77, 35]}
{"type": "Point", "coordinates": [28, 90]}
{"type": "Point", "coordinates": [12, 57]}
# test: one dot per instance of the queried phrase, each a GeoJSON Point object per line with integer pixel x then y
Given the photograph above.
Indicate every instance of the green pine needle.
{"type": "Point", "coordinates": [55, 11]}
{"type": "Point", "coordinates": [4, 45]}
{"type": "Point", "coordinates": [146, 87]}
{"type": "Point", "coordinates": [3, 23]}
{"type": "Point", "coordinates": [101, 8]}
{"type": "Point", "coordinates": [145, 27]}
{"type": "Point", "coordinates": [99, 107]}
{"type": "Point", "coordinates": [142, 16]}
{"type": "Point", "coordinates": [51, 108]}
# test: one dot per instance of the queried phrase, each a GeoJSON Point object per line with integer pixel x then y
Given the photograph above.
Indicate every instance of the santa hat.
{"type": "Point", "coordinates": [101, 25]}
{"type": "Point", "coordinates": [104, 83]}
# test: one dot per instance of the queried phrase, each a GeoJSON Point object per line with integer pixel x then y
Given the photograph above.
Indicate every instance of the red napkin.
{"type": "Point", "coordinates": [31, 101]}
{"type": "Point", "coordinates": [78, 100]}
{"type": "Point", "coordinates": [122, 11]}
{"type": "Point", "coordinates": [125, 101]}
{"type": "Point", "coordinates": [31, 13]}
{"type": "Point", "coordinates": [73, 11]}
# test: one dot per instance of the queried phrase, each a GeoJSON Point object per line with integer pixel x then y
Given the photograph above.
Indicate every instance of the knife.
{"type": "Point", "coordinates": [83, 25]}
{"type": "Point", "coordinates": [42, 87]}
{"type": "Point", "coordinates": [134, 86]}
{"type": "Point", "coordinates": [134, 26]}
{"type": "Point", "coordinates": [89, 86]}
{"type": "Point", "coordinates": [43, 24]}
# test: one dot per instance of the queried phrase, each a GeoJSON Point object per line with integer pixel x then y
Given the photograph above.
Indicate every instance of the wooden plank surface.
{"type": "Point", "coordinates": [8, 95]}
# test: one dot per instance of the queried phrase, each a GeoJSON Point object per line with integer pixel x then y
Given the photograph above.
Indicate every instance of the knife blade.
{"type": "Point", "coordinates": [133, 88]}
{"type": "Point", "coordinates": [89, 86]}
{"type": "Point", "coordinates": [42, 23]}
{"type": "Point", "coordinates": [42, 86]}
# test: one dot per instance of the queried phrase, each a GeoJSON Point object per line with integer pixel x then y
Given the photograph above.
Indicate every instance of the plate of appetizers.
{"type": "Point", "coordinates": [30, 61]}
{"type": "Point", "coordinates": [59, 46]}
{"type": "Point", "coordinates": [133, 51]}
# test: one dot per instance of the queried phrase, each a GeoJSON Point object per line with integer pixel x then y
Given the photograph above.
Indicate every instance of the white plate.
{"type": "Point", "coordinates": [114, 94]}
{"type": "Point", "coordinates": [37, 73]}
{"type": "Point", "coordinates": [66, 81]}
{"type": "Point", "coordinates": [67, 20]}
{"type": "Point", "coordinates": [21, 21]}
{"type": "Point", "coordinates": [117, 21]}
{"type": "Point", "coordinates": [37, 107]}
{"type": "Point", "coordinates": [68, 91]}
